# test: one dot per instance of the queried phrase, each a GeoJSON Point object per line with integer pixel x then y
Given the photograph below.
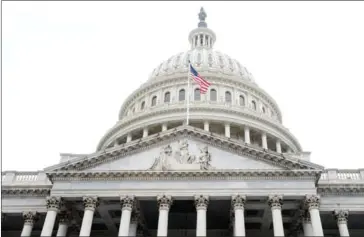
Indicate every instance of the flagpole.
{"type": "Point", "coordinates": [188, 93]}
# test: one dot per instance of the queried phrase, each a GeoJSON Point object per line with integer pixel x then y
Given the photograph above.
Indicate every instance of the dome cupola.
{"type": "Point", "coordinates": [202, 37]}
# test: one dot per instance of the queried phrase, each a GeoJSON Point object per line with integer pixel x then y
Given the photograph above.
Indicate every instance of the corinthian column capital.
{"type": "Point", "coordinates": [275, 201]}
{"type": "Point", "coordinates": [127, 202]}
{"type": "Point", "coordinates": [238, 201]}
{"type": "Point", "coordinates": [341, 216]}
{"type": "Point", "coordinates": [90, 203]}
{"type": "Point", "coordinates": [164, 202]}
{"type": "Point", "coordinates": [201, 202]}
{"type": "Point", "coordinates": [312, 201]}
{"type": "Point", "coordinates": [54, 203]}
{"type": "Point", "coordinates": [30, 217]}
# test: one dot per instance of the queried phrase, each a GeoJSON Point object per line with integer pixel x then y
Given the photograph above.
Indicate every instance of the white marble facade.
{"type": "Point", "coordinates": [233, 170]}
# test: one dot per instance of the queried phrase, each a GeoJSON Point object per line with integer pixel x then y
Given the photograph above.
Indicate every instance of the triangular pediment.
{"type": "Point", "coordinates": [165, 151]}
{"type": "Point", "coordinates": [184, 154]}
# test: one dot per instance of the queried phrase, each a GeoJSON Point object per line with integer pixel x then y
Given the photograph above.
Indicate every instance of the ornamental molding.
{"type": "Point", "coordinates": [215, 78]}
{"type": "Point", "coordinates": [172, 135]}
{"type": "Point", "coordinates": [186, 175]}
{"type": "Point", "coordinates": [148, 116]}
{"type": "Point", "coordinates": [341, 189]}
{"type": "Point", "coordinates": [26, 192]}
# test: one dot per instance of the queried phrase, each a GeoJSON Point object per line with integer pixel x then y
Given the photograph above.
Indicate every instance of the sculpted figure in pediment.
{"type": "Point", "coordinates": [181, 159]}
{"type": "Point", "coordinates": [205, 158]}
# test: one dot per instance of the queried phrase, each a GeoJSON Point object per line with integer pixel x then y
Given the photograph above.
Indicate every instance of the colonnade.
{"type": "Point", "coordinates": [310, 217]}
{"type": "Point", "coordinates": [227, 132]}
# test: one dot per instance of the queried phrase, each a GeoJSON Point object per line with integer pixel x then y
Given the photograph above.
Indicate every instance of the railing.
{"type": "Point", "coordinates": [13, 178]}
{"type": "Point", "coordinates": [342, 176]}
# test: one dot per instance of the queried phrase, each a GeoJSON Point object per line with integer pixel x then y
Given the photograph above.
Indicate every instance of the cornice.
{"type": "Point", "coordinates": [216, 78]}
{"type": "Point", "coordinates": [341, 189]}
{"type": "Point", "coordinates": [200, 107]}
{"type": "Point", "coordinates": [187, 175]}
{"type": "Point", "coordinates": [34, 192]}
{"type": "Point", "coordinates": [228, 144]}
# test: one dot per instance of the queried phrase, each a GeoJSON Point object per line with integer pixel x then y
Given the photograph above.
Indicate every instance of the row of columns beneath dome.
{"type": "Point", "coordinates": [310, 216]}
{"type": "Point", "coordinates": [227, 130]}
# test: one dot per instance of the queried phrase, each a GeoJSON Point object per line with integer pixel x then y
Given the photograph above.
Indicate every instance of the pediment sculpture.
{"type": "Point", "coordinates": [182, 159]}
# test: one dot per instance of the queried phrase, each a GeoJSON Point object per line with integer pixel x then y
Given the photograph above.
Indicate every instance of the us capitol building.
{"type": "Point", "coordinates": [233, 170]}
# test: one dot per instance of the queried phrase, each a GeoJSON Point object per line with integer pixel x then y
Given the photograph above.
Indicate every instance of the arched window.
{"type": "Point", "coordinates": [254, 105]}
{"type": "Point", "coordinates": [197, 94]}
{"type": "Point", "coordinates": [154, 100]}
{"type": "Point", "coordinates": [213, 95]}
{"type": "Point", "coordinates": [142, 105]}
{"type": "Point", "coordinates": [228, 97]}
{"type": "Point", "coordinates": [241, 100]}
{"type": "Point", "coordinates": [263, 109]}
{"type": "Point", "coordinates": [181, 95]}
{"type": "Point", "coordinates": [133, 109]}
{"type": "Point", "coordinates": [167, 97]}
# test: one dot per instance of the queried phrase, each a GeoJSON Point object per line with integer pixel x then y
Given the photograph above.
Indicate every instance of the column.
{"type": "Point", "coordinates": [164, 203]}
{"type": "Point", "coordinates": [264, 141]}
{"type": "Point", "coordinates": [341, 217]}
{"type": "Point", "coordinates": [238, 203]}
{"type": "Point", "coordinates": [306, 223]}
{"type": "Point", "coordinates": [127, 203]}
{"type": "Point", "coordinates": [129, 137]}
{"type": "Point", "coordinates": [247, 134]}
{"type": "Point", "coordinates": [90, 204]}
{"type": "Point", "coordinates": [164, 127]}
{"type": "Point", "coordinates": [133, 224]}
{"type": "Point", "coordinates": [313, 203]}
{"type": "Point", "coordinates": [29, 219]}
{"type": "Point", "coordinates": [64, 220]}
{"type": "Point", "coordinates": [53, 205]}
{"type": "Point", "coordinates": [145, 132]}
{"type": "Point", "coordinates": [227, 130]}
{"type": "Point", "coordinates": [201, 203]}
{"type": "Point", "coordinates": [275, 202]}
{"type": "Point", "coordinates": [278, 146]}
{"type": "Point", "coordinates": [206, 126]}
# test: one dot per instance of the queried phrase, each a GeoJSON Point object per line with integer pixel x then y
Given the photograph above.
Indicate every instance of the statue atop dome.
{"type": "Point", "coordinates": [202, 16]}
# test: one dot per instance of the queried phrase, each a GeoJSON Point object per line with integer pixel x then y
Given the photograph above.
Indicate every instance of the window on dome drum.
{"type": "Point", "coordinates": [181, 95]}
{"type": "Point", "coordinates": [241, 100]}
{"type": "Point", "coordinates": [213, 95]}
{"type": "Point", "coordinates": [228, 97]}
{"type": "Point", "coordinates": [142, 105]}
{"type": "Point", "coordinates": [154, 100]}
{"type": "Point", "coordinates": [263, 109]}
{"type": "Point", "coordinates": [167, 97]}
{"type": "Point", "coordinates": [254, 105]}
{"type": "Point", "coordinates": [197, 94]}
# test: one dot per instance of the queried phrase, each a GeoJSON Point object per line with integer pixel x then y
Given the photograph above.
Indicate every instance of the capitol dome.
{"type": "Point", "coordinates": [234, 105]}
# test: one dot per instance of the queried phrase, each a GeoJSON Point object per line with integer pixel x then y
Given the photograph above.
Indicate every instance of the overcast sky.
{"type": "Point", "coordinates": [68, 67]}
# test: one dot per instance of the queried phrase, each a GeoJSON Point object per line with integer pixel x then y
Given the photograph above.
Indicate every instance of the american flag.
{"type": "Point", "coordinates": [204, 85]}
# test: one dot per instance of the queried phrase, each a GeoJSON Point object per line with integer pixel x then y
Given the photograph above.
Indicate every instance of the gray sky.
{"type": "Point", "coordinates": [68, 67]}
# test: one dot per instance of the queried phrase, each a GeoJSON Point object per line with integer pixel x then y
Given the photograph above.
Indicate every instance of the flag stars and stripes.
{"type": "Point", "coordinates": [204, 85]}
